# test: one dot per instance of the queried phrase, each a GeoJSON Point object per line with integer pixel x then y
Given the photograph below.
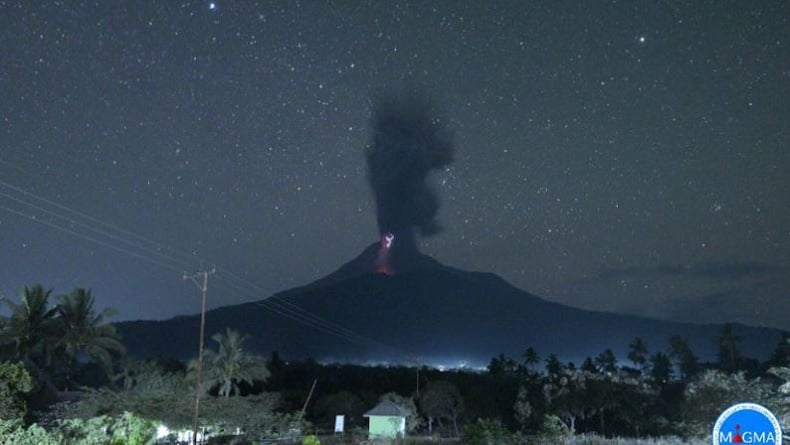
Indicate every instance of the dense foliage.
{"type": "Point", "coordinates": [126, 429]}
{"type": "Point", "coordinates": [666, 392]}
{"type": "Point", "coordinates": [56, 343]}
{"type": "Point", "coordinates": [15, 384]}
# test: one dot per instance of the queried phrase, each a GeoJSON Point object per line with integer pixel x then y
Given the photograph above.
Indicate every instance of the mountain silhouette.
{"type": "Point", "coordinates": [428, 313]}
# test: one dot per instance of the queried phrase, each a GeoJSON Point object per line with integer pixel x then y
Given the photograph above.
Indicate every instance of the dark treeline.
{"type": "Point", "coordinates": [663, 391]}
{"type": "Point", "coordinates": [483, 394]}
{"type": "Point", "coordinates": [52, 345]}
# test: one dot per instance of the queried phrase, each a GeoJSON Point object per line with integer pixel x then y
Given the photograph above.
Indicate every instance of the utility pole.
{"type": "Point", "coordinates": [417, 363]}
{"type": "Point", "coordinates": [204, 289]}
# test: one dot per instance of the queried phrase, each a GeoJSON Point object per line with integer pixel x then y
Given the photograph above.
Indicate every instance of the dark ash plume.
{"type": "Point", "coordinates": [408, 142]}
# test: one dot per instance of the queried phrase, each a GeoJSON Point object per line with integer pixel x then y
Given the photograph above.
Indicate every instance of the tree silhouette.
{"type": "Point", "coordinates": [531, 358]}
{"type": "Point", "coordinates": [660, 368]}
{"type": "Point", "coordinates": [501, 365]}
{"type": "Point", "coordinates": [781, 353]}
{"type": "Point", "coordinates": [686, 361]}
{"type": "Point", "coordinates": [564, 394]}
{"type": "Point", "coordinates": [637, 353]}
{"type": "Point", "coordinates": [84, 333]}
{"type": "Point", "coordinates": [728, 354]}
{"type": "Point", "coordinates": [442, 400]}
{"type": "Point", "coordinates": [553, 366]}
{"type": "Point", "coordinates": [413, 420]}
{"type": "Point", "coordinates": [230, 365]}
{"type": "Point", "coordinates": [28, 333]}
{"type": "Point", "coordinates": [341, 402]}
{"type": "Point", "coordinates": [606, 362]}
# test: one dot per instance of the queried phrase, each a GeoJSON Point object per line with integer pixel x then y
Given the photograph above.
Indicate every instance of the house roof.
{"type": "Point", "coordinates": [387, 408]}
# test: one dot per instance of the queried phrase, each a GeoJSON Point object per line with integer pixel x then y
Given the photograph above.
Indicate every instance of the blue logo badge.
{"type": "Point", "coordinates": [747, 423]}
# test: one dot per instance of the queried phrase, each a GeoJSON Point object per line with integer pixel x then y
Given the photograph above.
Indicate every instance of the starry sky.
{"type": "Point", "coordinates": [626, 156]}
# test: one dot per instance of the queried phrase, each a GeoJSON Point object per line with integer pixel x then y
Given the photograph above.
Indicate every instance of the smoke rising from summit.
{"type": "Point", "coordinates": [409, 141]}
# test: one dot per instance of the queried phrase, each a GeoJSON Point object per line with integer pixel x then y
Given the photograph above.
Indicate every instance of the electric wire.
{"type": "Point", "coordinates": [276, 302]}
{"type": "Point", "coordinates": [119, 229]}
{"type": "Point", "coordinates": [96, 230]}
{"type": "Point", "coordinates": [283, 301]}
{"type": "Point", "coordinates": [88, 238]}
{"type": "Point", "coordinates": [273, 303]}
{"type": "Point", "coordinates": [283, 307]}
{"type": "Point", "coordinates": [296, 313]}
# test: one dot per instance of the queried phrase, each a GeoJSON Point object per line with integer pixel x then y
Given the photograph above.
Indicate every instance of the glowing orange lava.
{"type": "Point", "coordinates": [382, 263]}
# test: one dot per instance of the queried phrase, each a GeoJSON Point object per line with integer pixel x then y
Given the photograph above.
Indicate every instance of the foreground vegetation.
{"type": "Point", "coordinates": [47, 351]}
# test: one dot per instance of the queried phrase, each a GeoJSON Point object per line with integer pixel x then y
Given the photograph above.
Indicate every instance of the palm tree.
{"type": "Point", "coordinates": [637, 353]}
{"type": "Point", "coordinates": [606, 362]}
{"type": "Point", "coordinates": [661, 368]}
{"type": "Point", "coordinates": [26, 335]}
{"type": "Point", "coordinates": [84, 333]}
{"type": "Point", "coordinates": [5, 348]}
{"type": "Point", "coordinates": [531, 357]}
{"type": "Point", "coordinates": [230, 365]}
{"type": "Point", "coordinates": [728, 353]}
{"type": "Point", "coordinates": [687, 362]}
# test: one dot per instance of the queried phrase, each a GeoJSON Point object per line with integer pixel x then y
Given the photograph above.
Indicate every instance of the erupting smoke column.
{"type": "Point", "coordinates": [409, 141]}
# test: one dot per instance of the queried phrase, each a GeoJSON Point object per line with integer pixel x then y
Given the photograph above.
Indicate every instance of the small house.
{"type": "Point", "coordinates": [386, 420]}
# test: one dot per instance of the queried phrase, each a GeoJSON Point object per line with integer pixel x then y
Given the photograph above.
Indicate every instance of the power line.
{"type": "Point", "coordinates": [96, 230]}
{"type": "Point", "coordinates": [289, 304]}
{"type": "Point", "coordinates": [121, 230]}
{"type": "Point", "coordinates": [273, 303]}
{"type": "Point", "coordinates": [309, 319]}
{"type": "Point", "coordinates": [291, 307]}
{"type": "Point", "coordinates": [294, 313]}
{"type": "Point", "coordinates": [88, 238]}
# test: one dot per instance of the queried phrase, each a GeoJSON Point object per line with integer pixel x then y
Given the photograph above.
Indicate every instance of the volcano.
{"type": "Point", "coordinates": [395, 304]}
{"type": "Point", "coordinates": [443, 315]}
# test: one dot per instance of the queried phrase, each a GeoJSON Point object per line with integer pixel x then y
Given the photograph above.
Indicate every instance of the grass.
{"type": "Point", "coordinates": [591, 439]}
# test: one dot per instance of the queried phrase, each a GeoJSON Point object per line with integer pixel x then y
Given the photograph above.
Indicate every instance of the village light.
{"type": "Point", "coordinates": [162, 431]}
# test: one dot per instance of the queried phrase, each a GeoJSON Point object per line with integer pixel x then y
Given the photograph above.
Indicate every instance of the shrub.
{"type": "Point", "coordinates": [123, 430]}
{"type": "Point", "coordinates": [132, 430]}
{"type": "Point", "coordinates": [13, 432]}
{"type": "Point", "coordinates": [15, 383]}
{"type": "Point", "coordinates": [126, 429]}
{"type": "Point", "coordinates": [487, 432]}
{"type": "Point", "coordinates": [554, 430]}
{"type": "Point", "coordinates": [310, 440]}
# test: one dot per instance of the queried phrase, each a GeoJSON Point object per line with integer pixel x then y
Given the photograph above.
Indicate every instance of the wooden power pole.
{"type": "Point", "coordinates": [204, 290]}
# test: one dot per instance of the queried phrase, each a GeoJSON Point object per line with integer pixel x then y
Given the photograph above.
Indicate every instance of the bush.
{"type": "Point", "coordinates": [123, 430]}
{"type": "Point", "coordinates": [88, 432]}
{"type": "Point", "coordinates": [15, 383]}
{"type": "Point", "coordinates": [487, 432]}
{"type": "Point", "coordinates": [712, 391]}
{"type": "Point", "coordinates": [126, 429]}
{"type": "Point", "coordinates": [13, 432]}
{"type": "Point", "coordinates": [554, 430]}
{"type": "Point", "coordinates": [310, 440]}
{"type": "Point", "coordinates": [132, 430]}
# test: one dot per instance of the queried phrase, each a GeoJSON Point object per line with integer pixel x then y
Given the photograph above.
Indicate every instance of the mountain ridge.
{"type": "Point", "coordinates": [438, 313]}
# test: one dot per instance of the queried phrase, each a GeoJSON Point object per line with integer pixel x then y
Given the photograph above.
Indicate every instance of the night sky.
{"type": "Point", "coordinates": [621, 156]}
